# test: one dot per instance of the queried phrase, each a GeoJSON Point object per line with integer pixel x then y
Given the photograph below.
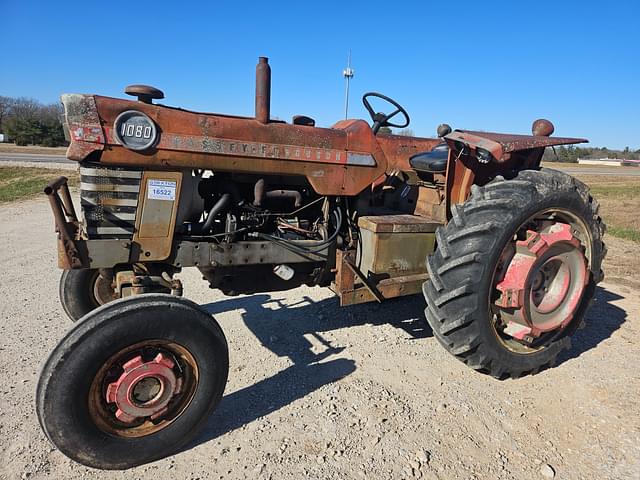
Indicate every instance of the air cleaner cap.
{"type": "Point", "coordinates": [145, 93]}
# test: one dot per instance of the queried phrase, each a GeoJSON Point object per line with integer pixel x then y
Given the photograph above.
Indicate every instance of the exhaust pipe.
{"type": "Point", "coordinates": [263, 90]}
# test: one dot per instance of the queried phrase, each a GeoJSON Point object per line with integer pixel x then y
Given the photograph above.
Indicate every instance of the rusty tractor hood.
{"type": "Point", "coordinates": [341, 160]}
{"type": "Point", "coordinates": [502, 145]}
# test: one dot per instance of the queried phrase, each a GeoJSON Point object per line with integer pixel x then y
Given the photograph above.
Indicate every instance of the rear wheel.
{"type": "Point", "coordinates": [82, 291]}
{"type": "Point", "coordinates": [514, 272]}
{"type": "Point", "coordinates": [133, 381]}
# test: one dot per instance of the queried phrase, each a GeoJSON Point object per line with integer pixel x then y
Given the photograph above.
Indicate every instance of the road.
{"type": "Point", "coordinates": [319, 391]}
{"type": "Point", "coordinates": [619, 171]}
{"type": "Point", "coordinates": [29, 157]}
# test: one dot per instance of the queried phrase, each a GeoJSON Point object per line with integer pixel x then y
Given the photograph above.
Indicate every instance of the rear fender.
{"type": "Point", "coordinates": [478, 157]}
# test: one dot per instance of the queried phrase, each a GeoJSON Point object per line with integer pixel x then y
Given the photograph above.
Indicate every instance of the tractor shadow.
{"type": "Point", "coordinates": [603, 318]}
{"type": "Point", "coordinates": [285, 330]}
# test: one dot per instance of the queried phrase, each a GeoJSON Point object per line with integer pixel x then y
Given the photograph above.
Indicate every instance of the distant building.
{"type": "Point", "coordinates": [610, 162]}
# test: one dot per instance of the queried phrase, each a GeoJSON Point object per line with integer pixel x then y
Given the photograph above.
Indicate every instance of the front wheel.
{"type": "Point", "coordinates": [82, 291]}
{"type": "Point", "coordinates": [132, 381]}
{"type": "Point", "coordinates": [515, 271]}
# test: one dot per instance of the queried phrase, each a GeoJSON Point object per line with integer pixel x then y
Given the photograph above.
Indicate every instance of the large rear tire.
{"type": "Point", "coordinates": [133, 381]}
{"type": "Point", "coordinates": [496, 301]}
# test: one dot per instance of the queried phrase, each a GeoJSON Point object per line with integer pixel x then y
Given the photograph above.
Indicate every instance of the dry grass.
{"type": "Point", "coordinates": [33, 150]}
{"type": "Point", "coordinates": [619, 199]}
{"type": "Point", "coordinates": [22, 182]}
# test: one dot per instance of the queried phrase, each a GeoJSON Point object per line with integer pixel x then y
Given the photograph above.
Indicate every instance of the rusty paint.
{"type": "Point", "coordinates": [459, 179]}
{"type": "Point", "coordinates": [542, 128]}
{"type": "Point", "coordinates": [239, 144]}
{"type": "Point", "coordinates": [83, 123]}
{"type": "Point", "coordinates": [395, 245]}
{"type": "Point", "coordinates": [502, 144]}
{"type": "Point", "coordinates": [155, 219]}
{"type": "Point", "coordinates": [236, 147]}
{"type": "Point", "coordinates": [66, 225]}
{"type": "Point", "coordinates": [145, 93]}
{"type": "Point", "coordinates": [430, 201]}
{"type": "Point", "coordinates": [351, 290]}
{"type": "Point", "coordinates": [263, 90]}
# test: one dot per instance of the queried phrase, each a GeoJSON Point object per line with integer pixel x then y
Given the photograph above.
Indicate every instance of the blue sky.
{"type": "Point", "coordinates": [493, 66]}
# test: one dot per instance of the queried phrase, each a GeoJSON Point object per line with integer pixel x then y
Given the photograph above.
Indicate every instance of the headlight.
{"type": "Point", "coordinates": [483, 156]}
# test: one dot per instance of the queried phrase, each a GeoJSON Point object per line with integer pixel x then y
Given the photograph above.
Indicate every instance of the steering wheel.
{"type": "Point", "coordinates": [382, 119]}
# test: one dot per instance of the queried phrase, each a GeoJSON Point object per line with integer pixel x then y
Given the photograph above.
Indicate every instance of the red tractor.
{"type": "Point", "coordinates": [507, 253]}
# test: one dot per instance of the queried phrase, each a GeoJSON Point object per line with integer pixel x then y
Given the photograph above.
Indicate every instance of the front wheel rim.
{"type": "Point", "coordinates": [102, 290]}
{"type": "Point", "coordinates": [143, 388]}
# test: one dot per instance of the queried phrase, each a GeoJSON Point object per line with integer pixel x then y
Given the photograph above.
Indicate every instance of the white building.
{"type": "Point", "coordinates": [610, 162]}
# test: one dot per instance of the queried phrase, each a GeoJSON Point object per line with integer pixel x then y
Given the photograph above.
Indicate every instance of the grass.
{"type": "Point", "coordinates": [23, 182]}
{"type": "Point", "coordinates": [620, 191]}
{"type": "Point", "coordinates": [626, 233]}
{"type": "Point", "coordinates": [619, 199]}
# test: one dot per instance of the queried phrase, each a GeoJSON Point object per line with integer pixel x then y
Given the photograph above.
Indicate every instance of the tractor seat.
{"type": "Point", "coordinates": [434, 161]}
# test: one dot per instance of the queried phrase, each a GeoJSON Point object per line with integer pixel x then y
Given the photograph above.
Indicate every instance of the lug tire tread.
{"type": "Point", "coordinates": [468, 246]}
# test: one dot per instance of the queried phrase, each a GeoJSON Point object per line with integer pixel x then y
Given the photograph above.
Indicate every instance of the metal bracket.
{"type": "Point", "coordinates": [66, 223]}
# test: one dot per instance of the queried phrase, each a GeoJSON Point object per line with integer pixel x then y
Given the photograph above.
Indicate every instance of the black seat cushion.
{"type": "Point", "coordinates": [434, 161]}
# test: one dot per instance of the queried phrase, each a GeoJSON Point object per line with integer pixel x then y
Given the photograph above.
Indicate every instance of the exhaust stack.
{"type": "Point", "coordinates": [263, 90]}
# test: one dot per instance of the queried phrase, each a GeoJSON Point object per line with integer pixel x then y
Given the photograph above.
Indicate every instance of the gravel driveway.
{"type": "Point", "coordinates": [316, 391]}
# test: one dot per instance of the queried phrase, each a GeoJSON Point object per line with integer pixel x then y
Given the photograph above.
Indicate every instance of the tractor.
{"type": "Point", "coordinates": [506, 253]}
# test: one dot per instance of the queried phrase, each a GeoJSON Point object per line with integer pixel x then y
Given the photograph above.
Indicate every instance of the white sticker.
{"type": "Point", "coordinates": [161, 190]}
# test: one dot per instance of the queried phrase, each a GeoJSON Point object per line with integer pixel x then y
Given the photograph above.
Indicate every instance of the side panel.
{"type": "Point", "coordinates": [156, 215]}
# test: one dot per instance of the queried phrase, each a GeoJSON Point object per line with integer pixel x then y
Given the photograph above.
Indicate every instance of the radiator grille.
{"type": "Point", "coordinates": [109, 199]}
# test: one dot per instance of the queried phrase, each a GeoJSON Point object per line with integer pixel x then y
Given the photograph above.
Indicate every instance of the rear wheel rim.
{"type": "Point", "coordinates": [555, 284]}
{"type": "Point", "coordinates": [143, 388]}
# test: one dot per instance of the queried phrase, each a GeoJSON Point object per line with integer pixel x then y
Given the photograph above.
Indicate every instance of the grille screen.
{"type": "Point", "coordinates": [109, 199]}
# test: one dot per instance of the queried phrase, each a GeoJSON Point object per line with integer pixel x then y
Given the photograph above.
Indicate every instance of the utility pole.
{"type": "Point", "coordinates": [348, 75]}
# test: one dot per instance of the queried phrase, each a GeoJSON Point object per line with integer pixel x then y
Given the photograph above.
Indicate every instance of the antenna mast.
{"type": "Point", "coordinates": [348, 75]}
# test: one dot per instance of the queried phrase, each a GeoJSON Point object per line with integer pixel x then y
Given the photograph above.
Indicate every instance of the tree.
{"type": "Point", "coordinates": [28, 122]}
{"type": "Point", "coordinates": [406, 132]}
{"type": "Point", "coordinates": [5, 109]}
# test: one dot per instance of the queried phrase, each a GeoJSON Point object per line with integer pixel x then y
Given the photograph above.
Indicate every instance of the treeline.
{"type": "Point", "coordinates": [26, 121]}
{"type": "Point", "coordinates": [571, 154]}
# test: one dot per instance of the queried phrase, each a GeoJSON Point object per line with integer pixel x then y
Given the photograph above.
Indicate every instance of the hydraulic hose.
{"type": "Point", "coordinates": [221, 205]}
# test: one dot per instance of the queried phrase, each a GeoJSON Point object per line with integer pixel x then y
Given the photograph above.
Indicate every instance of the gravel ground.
{"type": "Point", "coordinates": [316, 391]}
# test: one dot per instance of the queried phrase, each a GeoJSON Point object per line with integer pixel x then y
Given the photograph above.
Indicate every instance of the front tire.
{"type": "Point", "coordinates": [82, 291]}
{"type": "Point", "coordinates": [133, 381]}
{"type": "Point", "coordinates": [481, 253]}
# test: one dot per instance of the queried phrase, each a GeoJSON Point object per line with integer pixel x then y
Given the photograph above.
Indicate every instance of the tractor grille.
{"type": "Point", "coordinates": [109, 199]}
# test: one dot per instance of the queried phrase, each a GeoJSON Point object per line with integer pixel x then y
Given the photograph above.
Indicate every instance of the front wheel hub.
{"type": "Point", "coordinates": [543, 283]}
{"type": "Point", "coordinates": [144, 389]}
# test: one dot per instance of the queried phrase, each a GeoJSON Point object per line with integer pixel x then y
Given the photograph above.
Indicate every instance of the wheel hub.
{"type": "Point", "coordinates": [543, 283]}
{"type": "Point", "coordinates": [102, 290]}
{"type": "Point", "coordinates": [144, 389]}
